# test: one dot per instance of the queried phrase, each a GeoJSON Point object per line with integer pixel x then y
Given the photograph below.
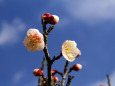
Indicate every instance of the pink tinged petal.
{"type": "Point", "coordinates": [34, 40]}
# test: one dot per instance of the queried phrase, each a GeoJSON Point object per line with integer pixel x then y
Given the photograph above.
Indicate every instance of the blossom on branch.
{"type": "Point", "coordinates": [69, 50]}
{"type": "Point", "coordinates": [34, 40]}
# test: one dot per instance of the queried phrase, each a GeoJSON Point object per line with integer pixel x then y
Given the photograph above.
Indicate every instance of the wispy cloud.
{"type": "Point", "coordinates": [17, 77]}
{"type": "Point", "coordinates": [88, 10]}
{"type": "Point", "coordinates": [10, 32]}
{"type": "Point", "coordinates": [98, 83]}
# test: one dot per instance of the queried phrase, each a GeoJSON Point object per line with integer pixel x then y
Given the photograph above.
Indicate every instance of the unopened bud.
{"type": "Point", "coordinates": [37, 72]}
{"type": "Point", "coordinates": [53, 72]}
{"type": "Point", "coordinates": [55, 78]}
{"type": "Point", "coordinates": [77, 67]}
{"type": "Point", "coordinates": [54, 19]}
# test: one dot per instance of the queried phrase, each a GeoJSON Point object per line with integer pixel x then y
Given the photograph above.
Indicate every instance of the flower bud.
{"type": "Point", "coordinates": [55, 78]}
{"type": "Point", "coordinates": [53, 72]}
{"type": "Point", "coordinates": [47, 15]}
{"type": "Point", "coordinates": [37, 72]}
{"type": "Point", "coordinates": [79, 54]}
{"type": "Point", "coordinates": [77, 67]}
{"type": "Point", "coordinates": [53, 20]}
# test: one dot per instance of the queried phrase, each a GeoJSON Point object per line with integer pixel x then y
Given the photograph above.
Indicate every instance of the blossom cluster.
{"type": "Point", "coordinates": [35, 41]}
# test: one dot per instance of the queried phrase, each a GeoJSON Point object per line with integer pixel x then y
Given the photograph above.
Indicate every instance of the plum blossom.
{"type": "Point", "coordinates": [34, 40]}
{"type": "Point", "coordinates": [69, 50]}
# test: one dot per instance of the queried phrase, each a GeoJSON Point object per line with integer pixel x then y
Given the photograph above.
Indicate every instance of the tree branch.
{"type": "Point", "coordinates": [109, 82]}
{"type": "Point", "coordinates": [56, 58]}
{"type": "Point", "coordinates": [61, 74]}
{"type": "Point", "coordinates": [50, 29]}
{"type": "Point", "coordinates": [47, 53]}
{"type": "Point", "coordinates": [65, 73]}
{"type": "Point", "coordinates": [69, 80]}
{"type": "Point", "coordinates": [42, 68]}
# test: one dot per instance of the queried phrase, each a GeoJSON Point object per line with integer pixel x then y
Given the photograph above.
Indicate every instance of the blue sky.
{"type": "Point", "coordinates": [89, 22]}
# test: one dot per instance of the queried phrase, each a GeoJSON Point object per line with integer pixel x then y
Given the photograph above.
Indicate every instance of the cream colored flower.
{"type": "Point", "coordinates": [34, 40]}
{"type": "Point", "coordinates": [69, 50]}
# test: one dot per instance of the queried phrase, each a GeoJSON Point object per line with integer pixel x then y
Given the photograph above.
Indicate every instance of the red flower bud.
{"type": "Point", "coordinates": [77, 67]}
{"type": "Point", "coordinates": [55, 78]}
{"type": "Point", "coordinates": [37, 72]}
{"type": "Point", "coordinates": [53, 72]}
{"type": "Point", "coordinates": [53, 20]}
{"type": "Point", "coordinates": [47, 15]}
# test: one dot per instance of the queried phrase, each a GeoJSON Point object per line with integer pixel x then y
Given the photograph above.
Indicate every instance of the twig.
{"type": "Point", "coordinates": [50, 29]}
{"type": "Point", "coordinates": [42, 68]}
{"type": "Point", "coordinates": [61, 74]}
{"type": "Point", "coordinates": [56, 58]}
{"type": "Point", "coordinates": [46, 52]}
{"type": "Point", "coordinates": [109, 82]}
{"type": "Point", "coordinates": [65, 73]}
{"type": "Point", "coordinates": [69, 80]}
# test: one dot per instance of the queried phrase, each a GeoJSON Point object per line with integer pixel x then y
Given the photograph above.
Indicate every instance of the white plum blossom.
{"type": "Point", "coordinates": [34, 40]}
{"type": "Point", "coordinates": [69, 50]}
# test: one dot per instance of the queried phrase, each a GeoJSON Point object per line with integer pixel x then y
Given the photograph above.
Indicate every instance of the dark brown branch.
{"type": "Point", "coordinates": [42, 68]}
{"type": "Point", "coordinates": [56, 58]}
{"type": "Point", "coordinates": [70, 70]}
{"type": "Point", "coordinates": [44, 26]}
{"type": "Point", "coordinates": [50, 29]}
{"type": "Point", "coordinates": [108, 78]}
{"type": "Point", "coordinates": [61, 74]}
{"type": "Point", "coordinates": [69, 80]}
{"type": "Point", "coordinates": [47, 53]}
{"type": "Point", "coordinates": [43, 64]}
{"type": "Point", "coordinates": [65, 73]}
{"type": "Point", "coordinates": [66, 66]}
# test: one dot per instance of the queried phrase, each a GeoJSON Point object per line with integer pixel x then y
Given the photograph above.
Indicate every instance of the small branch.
{"type": "Point", "coordinates": [61, 74]}
{"type": "Point", "coordinates": [42, 68]}
{"type": "Point", "coordinates": [69, 80]}
{"type": "Point", "coordinates": [65, 73]}
{"type": "Point", "coordinates": [70, 70]}
{"type": "Point", "coordinates": [47, 53]}
{"type": "Point", "coordinates": [56, 58]}
{"type": "Point", "coordinates": [109, 82]}
{"type": "Point", "coordinates": [66, 66]}
{"type": "Point", "coordinates": [43, 63]}
{"type": "Point", "coordinates": [50, 29]}
{"type": "Point", "coordinates": [44, 26]}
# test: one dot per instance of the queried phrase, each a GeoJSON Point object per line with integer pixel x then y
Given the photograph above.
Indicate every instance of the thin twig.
{"type": "Point", "coordinates": [65, 73]}
{"type": "Point", "coordinates": [69, 80]}
{"type": "Point", "coordinates": [50, 29]}
{"type": "Point", "coordinates": [42, 68]}
{"type": "Point", "coordinates": [61, 74]}
{"type": "Point", "coordinates": [108, 78]}
{"type": "Point", "coordinates": [56, 58]}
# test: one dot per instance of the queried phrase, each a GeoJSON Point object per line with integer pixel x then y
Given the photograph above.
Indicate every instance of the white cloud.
{"type": "Point", "coordinates": [17, 77]}
{"type": "Point", "coordinates": [101, 9]}
{"type": "Point", "coordinates": [88, 10]}
{"type": "Point", "coordinates": [104, 82]}
{"type": "Point", "coordinates": [10, 32]}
